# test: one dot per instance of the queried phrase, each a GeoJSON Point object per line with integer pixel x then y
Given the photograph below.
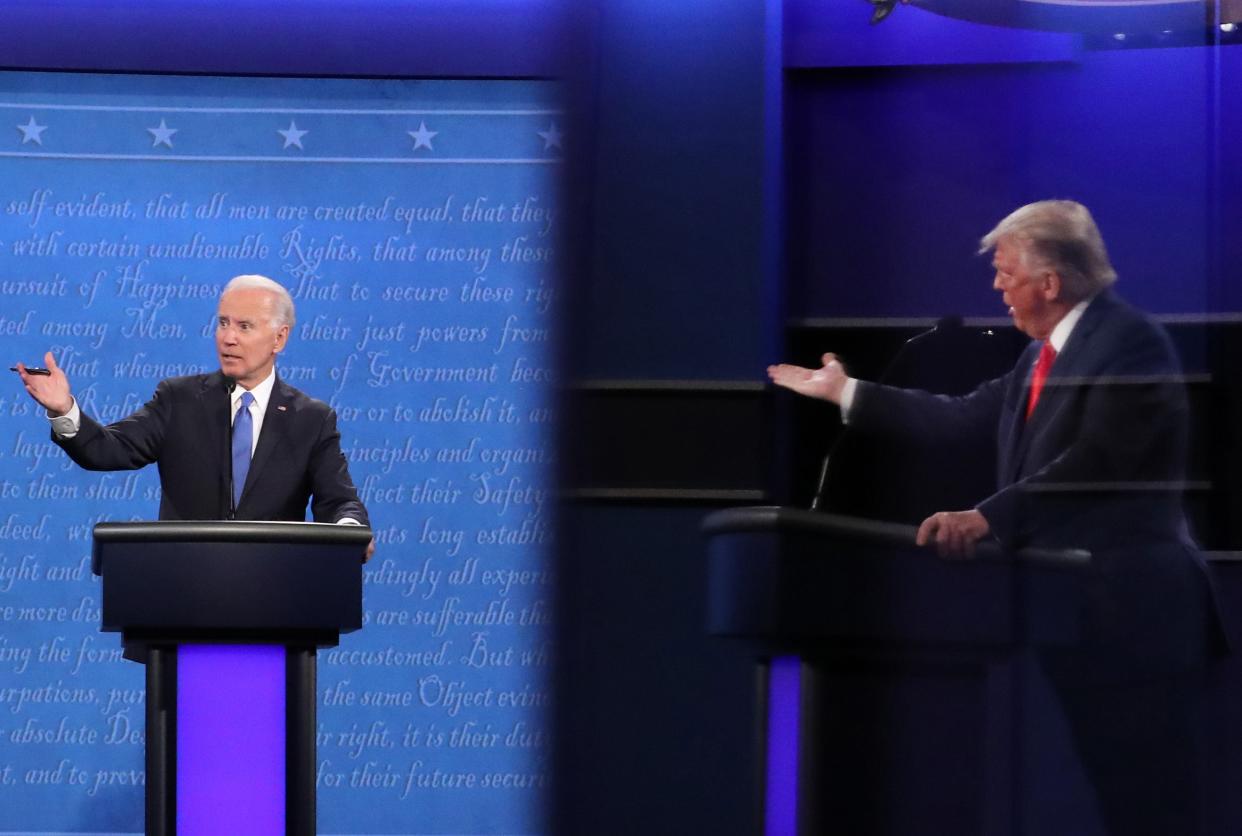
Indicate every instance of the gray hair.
{"type": "Point", "coordinates": [283, 303]}
{"type": "Point", "coordinates": [1063, 236]}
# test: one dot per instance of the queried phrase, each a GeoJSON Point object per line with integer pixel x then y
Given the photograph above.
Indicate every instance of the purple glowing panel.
{"type": "Point", "coordinates": [780, 815]}
{"type": "Point", "coordinates": [230, 740]}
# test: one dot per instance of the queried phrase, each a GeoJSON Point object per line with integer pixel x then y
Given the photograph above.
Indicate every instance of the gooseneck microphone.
{"type": "Point", "coordinates": [947, 323]}
{"type": "Point", "coordinates": [230, 383]}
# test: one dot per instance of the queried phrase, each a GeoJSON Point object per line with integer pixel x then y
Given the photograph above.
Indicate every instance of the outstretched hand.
{"type": "Point", "coordinates": [50, 390]}
{"type": "Point", "coordinates": [955, 533]}
{"type": "Point", "coordinates": [824, 383]}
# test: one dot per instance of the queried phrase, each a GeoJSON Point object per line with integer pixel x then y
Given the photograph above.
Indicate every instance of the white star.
{"type": "Point", "coordinates": [162, 135]}
{"type": "Point", "coordinates": [32, 131]}
{"type": "Point", "coordinates": [293, 137]}
{"type": "Point", "coordinates": [422, 137]}
{"type": "Point", "coordinates": [551, 137]}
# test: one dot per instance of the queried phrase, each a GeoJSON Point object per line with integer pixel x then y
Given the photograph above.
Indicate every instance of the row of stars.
{"type": "Point", "coordinates": [32, 132]}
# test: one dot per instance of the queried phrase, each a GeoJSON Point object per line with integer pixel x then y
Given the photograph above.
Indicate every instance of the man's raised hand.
{"type": "Point", "coordinates": [824, 383]}
{"type": "Point", "coordinates": [51, 391]}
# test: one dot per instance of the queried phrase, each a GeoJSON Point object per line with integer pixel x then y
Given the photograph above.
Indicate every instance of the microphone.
{"type": "Point", "coordinates": [946, 322]}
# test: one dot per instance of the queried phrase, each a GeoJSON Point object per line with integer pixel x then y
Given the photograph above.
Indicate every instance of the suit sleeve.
{"type": "Point", "coordinates": [128, 444]}
{"type": "Point", "coordinates": [925, 417]}
{"type": "Point", "coordinates": [333, 495]}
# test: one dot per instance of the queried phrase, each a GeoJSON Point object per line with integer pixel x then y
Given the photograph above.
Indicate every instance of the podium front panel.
{"type": "Point", "coordinates": [231, 747]}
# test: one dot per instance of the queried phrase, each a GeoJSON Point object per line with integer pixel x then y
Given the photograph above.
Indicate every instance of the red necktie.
{"type": "Point", "coordinates": [1047, 355]}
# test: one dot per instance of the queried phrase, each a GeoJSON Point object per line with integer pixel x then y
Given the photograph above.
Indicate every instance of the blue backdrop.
{"type": "Point", "coordinates": [415, 225]}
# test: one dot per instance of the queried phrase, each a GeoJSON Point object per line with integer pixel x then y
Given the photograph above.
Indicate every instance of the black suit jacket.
{"type": "Point", "coordinates": [1099, 465]}
{"type": "Point", "coordinates": [184, 429]}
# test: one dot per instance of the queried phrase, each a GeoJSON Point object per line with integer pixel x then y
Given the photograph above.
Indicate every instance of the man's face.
{"type": "Point", "coordinates": [1025, 291]}
{"type": "Point", "coordinates": [246, 341]}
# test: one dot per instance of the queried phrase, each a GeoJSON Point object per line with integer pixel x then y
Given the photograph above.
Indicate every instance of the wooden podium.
{"type": "Point", "coordinates": [227, 617]}
{"type": "Point", "coordinates": [891, 688]}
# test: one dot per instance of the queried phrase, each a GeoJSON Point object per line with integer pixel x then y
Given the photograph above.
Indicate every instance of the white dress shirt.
{"type": "Point", "coordinates": [262, 394]}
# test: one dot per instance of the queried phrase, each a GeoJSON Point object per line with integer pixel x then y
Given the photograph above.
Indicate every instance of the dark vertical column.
{"type": "Point", "coordinates": [300, 686]}
{"type": "Point", "coordinates": [666, 296]}
{"type": "Point", "coordinates": [161, 755]}
{"type": "Point", "coordinates": [809, 687]}
{"type": "Point", "coordinates": [759, 721]}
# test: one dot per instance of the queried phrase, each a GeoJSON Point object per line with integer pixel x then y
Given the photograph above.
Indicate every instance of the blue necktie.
{"type": "Point", "coordinates": [243, 431]}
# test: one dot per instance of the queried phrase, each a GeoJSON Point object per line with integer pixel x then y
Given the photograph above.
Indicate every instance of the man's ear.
{"type": "Point", "coordinates": [1051, 287]}
{"type": "Point", "coordinates": [282, 338]}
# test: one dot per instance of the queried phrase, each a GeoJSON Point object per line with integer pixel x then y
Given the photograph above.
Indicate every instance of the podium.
{"type": "Point", "coordinates": [892, 682]}
{"type": "Point", "coordinates": [227, 617]}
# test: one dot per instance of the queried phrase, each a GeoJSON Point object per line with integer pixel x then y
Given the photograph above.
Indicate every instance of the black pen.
{"type": "Point", "coordinates": [30, 370]}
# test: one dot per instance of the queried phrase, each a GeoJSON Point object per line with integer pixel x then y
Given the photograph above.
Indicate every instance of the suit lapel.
{"type": "Point", "coordinates": [1016, 433]}
{"type": "Point", "coordinates": [1065, 380]}
{"type": "Point", "coordinates": [273, 429]}
{"type": "Point", "coordinates": [213, 397]}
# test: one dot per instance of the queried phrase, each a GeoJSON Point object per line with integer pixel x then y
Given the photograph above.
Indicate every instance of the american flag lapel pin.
{"type": "Point", "coordinates": [280, 408]}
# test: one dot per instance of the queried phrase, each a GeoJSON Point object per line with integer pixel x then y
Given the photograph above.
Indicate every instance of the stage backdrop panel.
{"type": "Point", "coordinates": [932, 158]}
{"type": "Point", "coordinates": [415, 224]}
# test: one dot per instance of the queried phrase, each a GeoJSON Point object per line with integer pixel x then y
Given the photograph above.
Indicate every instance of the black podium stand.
{"type": "Point", "coordinates": [227, 617]}
{"type": "Point", "coordinates": [890, 686]}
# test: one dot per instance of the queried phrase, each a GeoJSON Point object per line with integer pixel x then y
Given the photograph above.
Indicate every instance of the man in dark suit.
{"type": "Point", "coordinates": [192, 427]}
{"type": "Point", "coordinates": [1091, 432]}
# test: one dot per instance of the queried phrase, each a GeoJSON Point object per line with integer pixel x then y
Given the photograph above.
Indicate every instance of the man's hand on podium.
{"type": "Point", "coordinates": [50, 390]}
{"type": "Point", "coordinates": [955, 533]}
{"type": "Point", "coordinates": [824, 383]}
{"type": "Point", "coordinates": [370, 546]}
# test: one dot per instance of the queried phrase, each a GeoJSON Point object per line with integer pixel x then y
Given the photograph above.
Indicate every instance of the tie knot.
{"type": "Point", "coordinates": [247, 399]}
{"type": "Point", "coordinates": [1043, 363]}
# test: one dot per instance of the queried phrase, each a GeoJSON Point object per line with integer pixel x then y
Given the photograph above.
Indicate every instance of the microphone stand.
{"type": "Point", "coordinates": [229, 385]}
{"type": "Point", "coordinates": [821, 486]}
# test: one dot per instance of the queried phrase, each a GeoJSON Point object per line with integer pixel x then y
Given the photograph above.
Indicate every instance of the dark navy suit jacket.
{"type": "Point", "coordinates": [1099, 466]}
{"type": "Point", "coordinates": [184, 429]}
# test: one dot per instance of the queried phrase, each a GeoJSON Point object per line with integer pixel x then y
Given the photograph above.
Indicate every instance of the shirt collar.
{"type": "Point", "coordinates": [1061, 332]}
{"type": "Point", "coordinates": [262, 392]}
